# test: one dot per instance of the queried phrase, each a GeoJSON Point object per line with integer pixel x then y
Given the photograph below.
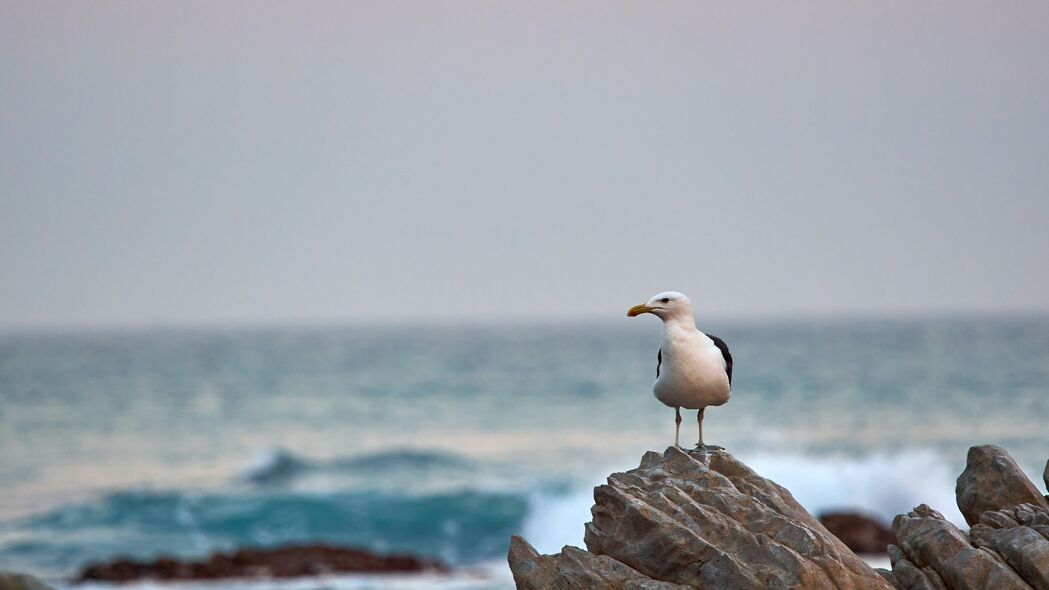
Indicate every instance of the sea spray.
{"type": "Point", "coordinates": [880, 484]}
{"type": "Point", "coordinates": [556, 518]}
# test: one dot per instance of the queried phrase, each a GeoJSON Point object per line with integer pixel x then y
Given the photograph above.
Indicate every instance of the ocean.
{"type": "Point", "coordinates": [444, 440]}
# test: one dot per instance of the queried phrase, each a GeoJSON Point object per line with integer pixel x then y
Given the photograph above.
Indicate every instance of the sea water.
{"type": "Point", "coordinates": [445, 440]}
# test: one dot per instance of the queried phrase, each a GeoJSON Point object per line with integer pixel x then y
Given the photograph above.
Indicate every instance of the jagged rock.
{"type": "Point", "coordinates": [16, 581]}
{"type": "Point", "coordinates": [992, 481]}
{"type": "Point", "coordinates": [929, 541]}
{"type": "Point", "coordinates": [1007, 546]}
{"type": "Point", "coordinates": [861, 533]}
{"type": "Point", "coordinates": [706, 520]}
{"type": "Point", "coordinates": [908, 576]}
{"type": "Point", "coordinates": [575, 568]}
{"type": "Point", "coordinates": [1019, 536]}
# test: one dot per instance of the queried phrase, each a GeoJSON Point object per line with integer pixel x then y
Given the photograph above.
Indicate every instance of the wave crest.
{"type": "Point", "coordinates": [279, 466]}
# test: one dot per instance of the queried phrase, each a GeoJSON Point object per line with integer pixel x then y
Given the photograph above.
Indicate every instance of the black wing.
{"type": "Point", "coordinates": [659, 361]}
{"type": "Point", "coordinates": [725, 353]}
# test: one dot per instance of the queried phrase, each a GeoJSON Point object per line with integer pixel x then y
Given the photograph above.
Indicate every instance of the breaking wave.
{"type": "Point", "coordinates": [280, 466]}
{"type": "Point", "coordinates": [464, 526]}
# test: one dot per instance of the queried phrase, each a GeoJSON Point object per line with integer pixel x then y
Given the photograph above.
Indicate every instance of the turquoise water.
{"type": "Point", "coordinates": [445, 440]}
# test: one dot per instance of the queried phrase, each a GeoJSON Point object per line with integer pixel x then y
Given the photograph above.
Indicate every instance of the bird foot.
{"type": "Point", "coordinates": [701, 448]}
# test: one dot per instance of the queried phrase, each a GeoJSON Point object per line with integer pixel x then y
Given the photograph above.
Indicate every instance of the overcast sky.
{"type": "Point", "coordinates": [197, 162]}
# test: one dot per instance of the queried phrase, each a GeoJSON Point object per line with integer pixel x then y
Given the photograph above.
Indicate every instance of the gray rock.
{"type": "Point", "coordinates": [15, 581]}
{"type": "Point", "coordinates": [575, 568]}
{"type": "Point", "coordinates": [706, 520]}
{"type": "Point", "coordinates": [932, 544]}
{"type": "Point", "coordinates": [992, 481]}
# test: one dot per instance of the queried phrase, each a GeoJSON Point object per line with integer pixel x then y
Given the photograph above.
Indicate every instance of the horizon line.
{"type": "Point", "coordinates": [250, 324]}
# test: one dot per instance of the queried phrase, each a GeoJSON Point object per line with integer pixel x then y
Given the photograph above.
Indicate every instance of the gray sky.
{"type": "Point", "coordinates": [170, 162]}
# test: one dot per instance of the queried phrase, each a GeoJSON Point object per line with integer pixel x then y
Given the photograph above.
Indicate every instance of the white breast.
{"type": "Point", "coordinates": [692, 374]}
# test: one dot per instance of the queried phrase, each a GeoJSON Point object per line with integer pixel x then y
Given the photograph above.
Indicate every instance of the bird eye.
{"type": "Point", "coordinates": [665, 300]}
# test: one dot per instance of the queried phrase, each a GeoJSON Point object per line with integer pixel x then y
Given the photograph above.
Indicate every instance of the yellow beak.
{"type": "Point", "coordinates": [638, 310]}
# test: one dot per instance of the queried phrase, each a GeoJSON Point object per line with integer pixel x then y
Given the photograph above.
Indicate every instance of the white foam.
{"type": "Point", "coordinates": [881, 484]}
{"type": "Point", "coordinates": [556, 520]}
{"type": "Point", "coordinates": [269, 465]}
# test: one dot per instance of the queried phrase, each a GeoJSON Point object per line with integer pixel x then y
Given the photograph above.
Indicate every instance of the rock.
{"type": "Point", "coordinates": [992, 481]}
{"type": "Point", "coordinates": [706, 520]}
{"type": "Point", "coordinates": [929, 542]}
{"type": "Point", "coordinates": [860, 533]}
{"type": "Point", "coordinates": [1020, 536]}
{"type": "Point", "coordinates": [1007, 546]}
{"type": "Point", "coordinates": [16, 581]}
{"type": "Point", "coordinates": [1045, 477]}
{"type": "Point", "coordinates": [907, 575]}
{"type": "Point", "coordinates": [575, 568]}
{"type": "Point", "coordinates": [282, 562]}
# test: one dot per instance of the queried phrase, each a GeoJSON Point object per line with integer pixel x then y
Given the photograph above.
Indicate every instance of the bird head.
{"type": "Point", "coordinates": [665, 305]}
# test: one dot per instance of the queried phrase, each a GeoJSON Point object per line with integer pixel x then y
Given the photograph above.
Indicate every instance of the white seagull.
{"type": "Point", "coordinates": [694, 370]}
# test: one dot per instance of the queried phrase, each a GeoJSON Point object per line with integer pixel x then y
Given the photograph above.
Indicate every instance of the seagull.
{"type": "Point", "coordinates": [697, 371]}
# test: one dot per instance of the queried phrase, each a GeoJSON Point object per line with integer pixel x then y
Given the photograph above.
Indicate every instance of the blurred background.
{"type": "Point", "coordinates": [357, 272]}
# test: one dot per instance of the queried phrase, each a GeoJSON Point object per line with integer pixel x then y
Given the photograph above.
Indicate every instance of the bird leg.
{"type": "Point", "coordinates": [677, 428]}
{"type": "Point", "coordinates": [700, 446]}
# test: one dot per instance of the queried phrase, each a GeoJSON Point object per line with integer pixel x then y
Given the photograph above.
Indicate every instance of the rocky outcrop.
{"type": "Point", "coordinates": [702, 520]}
{"type": "Point", "coordinates": [1007, 546]}
{"type": "Point", "coordinates": [993, 481]}
{"type": "Point", "coordinates": [929, 542]}
{"type": "Point", "coordinates": [705, 520]}
{"type": "Point", "coordinates": [861, 533]}
{"type": "Point", "coordinates": [1020, 536]}
{"type": "Point", "coordinates": [16, 581]}
{"type": "Point", "coordinates": [282, 562]}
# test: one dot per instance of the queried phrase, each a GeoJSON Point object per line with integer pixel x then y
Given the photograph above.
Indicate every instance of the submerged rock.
{"type": "Point", "coordinates": [702, 520]}
{"type": "Point", "coordinates": [861, 533]}
{"type": "Point", "coordinates": [281, 562]}
{"type": "Point", "coordinates": [993, 481]}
